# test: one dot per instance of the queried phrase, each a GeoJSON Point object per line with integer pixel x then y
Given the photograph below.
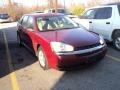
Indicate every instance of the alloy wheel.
{"type": "Point", "coordinates": [41, 58]}
{"type": "Point", "coordinates": [117, 42]}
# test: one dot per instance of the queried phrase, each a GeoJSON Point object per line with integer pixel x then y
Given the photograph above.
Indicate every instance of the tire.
{"type": "Point", "coordinates": [116, 40]}
{"type": "Point", "coordinates": [42, 58]}
{"type": "Point", "coordinates": [19, 40]}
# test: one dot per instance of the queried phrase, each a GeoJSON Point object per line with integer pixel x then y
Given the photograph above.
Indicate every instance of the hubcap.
{"type": "Point", "coordinates": [117, 42]}
{"type": "Point", "coordinates": [41, 58]}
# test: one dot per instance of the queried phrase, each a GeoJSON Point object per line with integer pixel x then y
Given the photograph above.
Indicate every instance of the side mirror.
{"type": "Point", "coordinates": [77, 24]}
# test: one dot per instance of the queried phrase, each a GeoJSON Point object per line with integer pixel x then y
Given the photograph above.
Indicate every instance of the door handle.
{"type": "Point", "coordinates": [90, 21]}
{"type": "Point", "coordinates": [107, 22]}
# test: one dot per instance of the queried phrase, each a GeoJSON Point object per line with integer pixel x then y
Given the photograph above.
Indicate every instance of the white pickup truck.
{"type": "Point", "coordinates": [104, 20]}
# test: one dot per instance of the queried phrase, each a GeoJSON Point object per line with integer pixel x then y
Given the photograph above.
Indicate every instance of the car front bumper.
{"type": "Point", "coordinates": [76, 58]}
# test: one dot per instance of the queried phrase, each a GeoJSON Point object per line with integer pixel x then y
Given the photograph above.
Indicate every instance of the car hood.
{"type": "Point", "coordinates": [76, 37]}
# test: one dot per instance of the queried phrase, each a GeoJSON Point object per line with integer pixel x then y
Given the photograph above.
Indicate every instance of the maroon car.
{"type": "Point", "coordinates": [58, 42]}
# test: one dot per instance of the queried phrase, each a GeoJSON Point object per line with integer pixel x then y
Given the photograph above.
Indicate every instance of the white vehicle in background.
{"type": "Point", "coordinates": [4, 17]}
{"type": "Point", "coordinates": [104, 20]}
{"type": "Point", "coordinates": [77, 20]}
{"type": "Point", "coordinates": [59, 10]}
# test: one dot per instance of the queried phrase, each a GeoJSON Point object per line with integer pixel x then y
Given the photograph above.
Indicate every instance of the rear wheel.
{"type": "Point", "coordinates": [116, 40]}
{"type": "Point", "coordinates": [42, 58]}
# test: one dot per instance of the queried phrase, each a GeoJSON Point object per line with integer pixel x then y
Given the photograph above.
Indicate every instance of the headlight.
{"type": "Point", "coordinates": [61, 47]}
{"type": "Point", "coordinates": [102, 40]}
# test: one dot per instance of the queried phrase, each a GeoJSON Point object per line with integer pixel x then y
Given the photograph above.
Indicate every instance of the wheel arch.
{"type": "Point", "coordinates": [114, 31]}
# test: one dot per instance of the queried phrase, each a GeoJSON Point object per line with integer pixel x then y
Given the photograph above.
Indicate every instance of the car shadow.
{"type": "Point", "coordinates": [100, 76]}
{"type": "Point", "coordinates": [20, 56]}
{"type": "Point", "coordinates": [76, 78]}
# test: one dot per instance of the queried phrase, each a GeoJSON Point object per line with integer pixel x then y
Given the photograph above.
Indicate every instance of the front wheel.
{"type": "Point", "coordinates": [42, 58]}
{"type": "Point", "coordinates": [116, 40]}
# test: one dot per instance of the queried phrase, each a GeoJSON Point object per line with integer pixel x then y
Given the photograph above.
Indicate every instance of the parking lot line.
{"type": "Point", "coordinates": [13, 77]}
{"type": "Point", "coordinates": [114, 58]}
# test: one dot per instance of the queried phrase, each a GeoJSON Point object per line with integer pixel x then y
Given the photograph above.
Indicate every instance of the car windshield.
{"type": "Point", "coordinates": [55, 23]}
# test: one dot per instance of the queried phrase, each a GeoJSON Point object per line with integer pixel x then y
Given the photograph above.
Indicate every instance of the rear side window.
{"type": "Point", "coordinates": [119, 9]}
{"type": "Point", "coordinates": [24, 21]}
{"type": "Point", "coordinates": [30, 22]}
{"type": "Point", "coordinates": [103, 13]}
{"type": "Point", "coordinates": [21, 19]}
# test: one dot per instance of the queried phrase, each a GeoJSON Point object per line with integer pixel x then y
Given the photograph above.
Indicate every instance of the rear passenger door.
{"type": "Point", "coordinates": [23, 29]}
{"type": "Point", "coordinates": [30, 33]}
{"type": "Point", "coordinates": [102, 22]}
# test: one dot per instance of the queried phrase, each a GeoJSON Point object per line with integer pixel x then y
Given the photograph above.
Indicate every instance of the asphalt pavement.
{"type": "Point", "coordinates": [20, 70]}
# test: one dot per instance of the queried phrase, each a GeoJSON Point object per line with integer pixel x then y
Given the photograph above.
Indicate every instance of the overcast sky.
{"type": "Point", "coordinates": [43, 2]}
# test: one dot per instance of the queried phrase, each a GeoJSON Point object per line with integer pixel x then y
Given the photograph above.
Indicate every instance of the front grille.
{"type": "Point", "coordinates": [87, 47]}
{"type": "Point", "coordinates": [89, 53]}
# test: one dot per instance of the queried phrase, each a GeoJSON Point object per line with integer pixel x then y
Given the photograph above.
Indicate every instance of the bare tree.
{"type": "Point", "coordinates": [51, 3]}
{"type": "Point", "coordinates": [11, 9]}
{"type": "Point", "coordinates": [94, 3]}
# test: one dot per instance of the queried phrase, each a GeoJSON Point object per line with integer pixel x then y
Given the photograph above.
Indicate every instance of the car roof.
{"type": "Point", "coordinates": [43, 14]}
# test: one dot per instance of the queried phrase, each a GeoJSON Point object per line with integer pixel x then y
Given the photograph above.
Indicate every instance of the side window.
{"type": "Point", "coordinates": [89, 14]}
{"type": "Point", "coordinates": [103, 13]}
{"type": "Point", "coordinates": [30, 22]}
{"type": "Point", "coordinates": [20, 20]}
{"type": "Point", "coordinates": [119, 9]}
{"type": "Point", "coordinates": [24, 21]}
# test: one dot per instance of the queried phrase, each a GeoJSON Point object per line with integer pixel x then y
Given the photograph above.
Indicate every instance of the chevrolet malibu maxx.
{"type": "Point", "coordinates": [58, 42]}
